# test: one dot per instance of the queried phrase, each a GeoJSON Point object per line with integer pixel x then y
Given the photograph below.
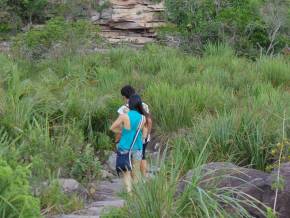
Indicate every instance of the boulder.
{"type": "Point", "coordinates": [71, 186]}
{"type": "Point", "coordinates": [283, 197]}
{"type": "Point", "coordinates": [252, 182]}
{"type": "Point", "coordinates": [95, 17]}
{"type": "Point", "coordinates": [111, 162]}
{"type": "Point", "coordinates": [106, 175]}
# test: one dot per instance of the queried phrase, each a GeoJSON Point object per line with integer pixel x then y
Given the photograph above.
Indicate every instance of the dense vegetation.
{"type": "Point", "coordinates": [57, 99]}
{"type": "Point", "coordinates": [17, 14]}
{"type": "Point", "coordinates": [66, 104]}
{"type": "Point", "coordinates": [252, 27]}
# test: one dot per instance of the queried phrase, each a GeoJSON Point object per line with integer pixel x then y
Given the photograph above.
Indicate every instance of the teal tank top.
{"type": "Point", "coordinates": [127, 136]}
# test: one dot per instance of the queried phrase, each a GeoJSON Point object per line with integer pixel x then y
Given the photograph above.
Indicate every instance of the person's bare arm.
{"type": "Point", "coordinates": [117, 125]}
{"type": "Point", "coordinates": [148, 124]}
{"type": "Point", "coordinates": [117, 137]}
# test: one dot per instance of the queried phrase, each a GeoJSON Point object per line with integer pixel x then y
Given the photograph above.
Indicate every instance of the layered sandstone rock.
{"type": "Point", "coordinates": [130, 21]}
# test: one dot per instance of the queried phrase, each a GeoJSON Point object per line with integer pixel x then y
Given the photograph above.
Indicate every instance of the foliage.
{"type": "Point", "coordinates": [38, 42]}
{"type": "Point", "coordinates": [14, 14]}
{"type": "Point", "coordinates": [33, 7]}
{"type": "Point", "coordinates": [161, 197]}
{"type": "Point", "coordinates": [87, 167]}
{"type": "Point", "coordinates": [15, 199]}
{"type": "Point", "coordinates": [245, 25]}
{"type": "Point", "coordinates": [54, 201]}
{"type": "Point", "coordinates": [18, 13]}
{"type": "Point", "coordinates": [56, 112]}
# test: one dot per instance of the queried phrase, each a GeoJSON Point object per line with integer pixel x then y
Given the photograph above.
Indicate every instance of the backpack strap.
{"type": "Point", "coordinates": [136, 134]}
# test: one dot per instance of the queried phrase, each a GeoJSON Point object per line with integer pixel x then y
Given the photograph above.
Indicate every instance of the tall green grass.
{"type": "Point", "coordinates": [56, 108]}
{"type": "Point", "coordinates": [216, 92]}
{"type": "Point", "coordinates": [161, 196]}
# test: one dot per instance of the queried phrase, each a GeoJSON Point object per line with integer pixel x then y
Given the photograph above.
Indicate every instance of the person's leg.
{"type": "Point", "coordinates": [143, 165]}
{"type": "Point", "coordinates": [127, 179]}
{"type": "Point", "coordinates": [136, 172]}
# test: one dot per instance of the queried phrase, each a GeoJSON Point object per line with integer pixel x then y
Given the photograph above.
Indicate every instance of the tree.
{"type": "Point", "coordinates": [276, 16]}
{"type": "Point", "coordinates": [33, 8]}
{"type": "Point", "coordinates": [238, 23]}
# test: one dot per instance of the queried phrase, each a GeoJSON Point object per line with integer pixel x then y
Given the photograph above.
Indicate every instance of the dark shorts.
{"type": "Point", "coordinates": [144, 150]}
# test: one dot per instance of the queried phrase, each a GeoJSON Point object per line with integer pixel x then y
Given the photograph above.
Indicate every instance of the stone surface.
{"type": "Point", "coordinates": [250, 181]}
{"type": "Point", "coordinates": [5, 46]}
{"type": "Point", "coordinates": [76, 216]}
{"type": "Point", "coordinates": [95, 17]}
{"type": "Point", "coordinates": [131, 21]}
{"type": "Point", "coordinates": [106, 196]}
{"type": "Point", "coordinates": [106, 175]}
{"type": "Point", "coordinates": [111, 162]}
{"type": "Point", "coordinates": [283, 200]}
{"type": "Point", "coordinates": [71, 186]}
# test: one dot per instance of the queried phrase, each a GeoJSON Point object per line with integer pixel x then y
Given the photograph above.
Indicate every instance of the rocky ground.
{"type": "Point", "coordinates": [107, 197]}
{"type": "Point", "coordinates": [106, 193]}
{"type": "Point", "coordinates": [254, 183]}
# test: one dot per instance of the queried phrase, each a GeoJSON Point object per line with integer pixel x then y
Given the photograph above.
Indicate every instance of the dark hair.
{"type": "Point", "coordinates": [127, 91]}
{"type": "Point", "coordinates": [135, 103]}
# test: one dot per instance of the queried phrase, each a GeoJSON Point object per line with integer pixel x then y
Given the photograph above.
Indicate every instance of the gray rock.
{"type": "Point", "coordinates": [76, 216]}
{"type": "Point", "coordinates": [95, 17]}
{"type": "Point", "coordinates": [283, 197]}
{"type": "Point", "coordinates": [111, 162]}
{"type": "Point", "coordinates": [106, 14]}
{"type": "Point", "coordinates": [111, 203]}
{"type": "Point", "coordinates": [106, 175]}
{"type": "Point", "coordinates": [5, 46]}
{"type": "Point", "coordinates": [252, 182]}
{"type": "Point", "coordinates": [71, 186]}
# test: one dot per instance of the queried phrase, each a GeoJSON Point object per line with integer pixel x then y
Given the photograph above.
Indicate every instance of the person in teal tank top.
{"type": "Point", "coordinates": [127, 135]}
{"type": "Point", "coordinates": [128, 124]}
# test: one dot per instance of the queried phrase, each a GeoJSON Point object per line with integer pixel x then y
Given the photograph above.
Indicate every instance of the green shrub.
{"type": "Point", "coordinates": [33, 8]}
{"type": "Point", "coordinates": [87, 167]}
{"type": "Point", "coordinates": [37, 42]}
{"type": "Point", "coordinates": [54, 201]}
{"type": "Point", "coordinates": [104, 142]}
{"type": "Point", "coordinates": [247, 26]}
{"type": "Point", "coordinates": [15, 199]}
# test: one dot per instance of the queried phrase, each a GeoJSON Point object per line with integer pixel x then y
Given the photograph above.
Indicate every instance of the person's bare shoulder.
{"type": "Point", "coordinates": [123, 110]}
{"type": "Point", "coordinates": [146, 107]}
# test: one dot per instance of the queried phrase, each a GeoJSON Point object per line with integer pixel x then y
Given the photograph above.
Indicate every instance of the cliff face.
{"type": "Point", "coordinates": [130, 21]}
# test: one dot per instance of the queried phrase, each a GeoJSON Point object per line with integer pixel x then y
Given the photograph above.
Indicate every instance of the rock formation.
{"type": "Point", "coordinates": [131, 21]}
{"type": "Point", "coordinates": [250, 181]}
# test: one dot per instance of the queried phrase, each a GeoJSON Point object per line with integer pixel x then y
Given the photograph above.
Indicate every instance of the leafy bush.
{"type": "Point", "coordinates": [15, 199]}
{"type": "Point", "coordinates": [87, 167]}
{"type": "Point", "coordinates": [54, 201]}
{"type": "Point", "coordinates": [69, 35]}
{"type": "Point", "coordinates": [245, 25]}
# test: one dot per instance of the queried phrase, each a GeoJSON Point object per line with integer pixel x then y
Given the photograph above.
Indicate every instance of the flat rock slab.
{"type": "Point", "coordinates": [114, 203]}
{"type": "Point", "coordinates": [76, 216]}
{"type": "Point", "coordinates": [107, 193]}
